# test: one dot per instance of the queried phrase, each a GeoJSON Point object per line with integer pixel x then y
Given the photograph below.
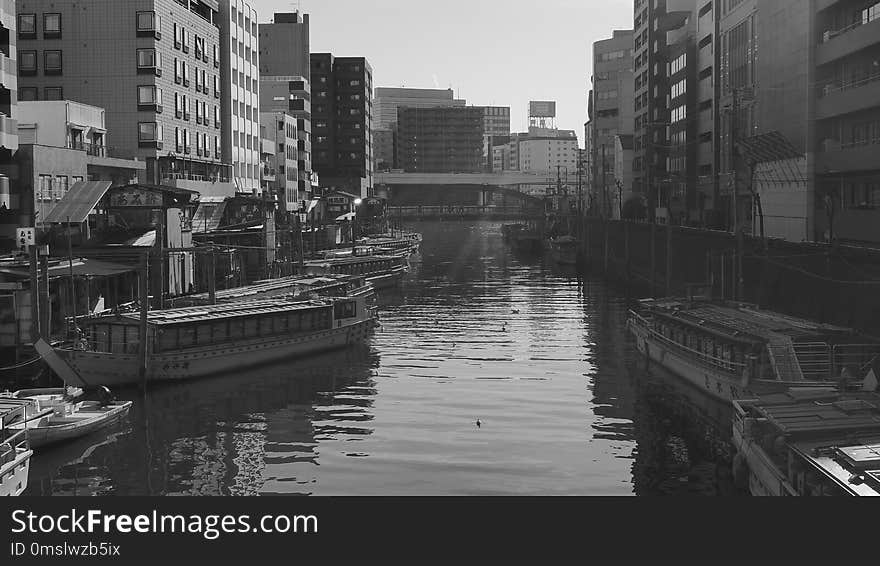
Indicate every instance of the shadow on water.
{"type": "Point", "coordinates": [214, 436]}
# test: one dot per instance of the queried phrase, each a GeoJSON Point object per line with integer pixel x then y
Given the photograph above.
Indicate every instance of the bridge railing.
{"type": "Point", "coordinates": [462, 211]}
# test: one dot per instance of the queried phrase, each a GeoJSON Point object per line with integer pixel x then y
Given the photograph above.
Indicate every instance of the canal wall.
{"type": "Point", "coordinates": [829, 283]}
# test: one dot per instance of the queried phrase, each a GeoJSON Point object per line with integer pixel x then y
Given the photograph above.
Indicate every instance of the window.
{"type": "Point", "coordinates": [51, 26]}
{"type": "Point", "coordinates": [149, 24]}
{"type": "Point", "coordinates": [27, 93]}
{"type": "Point", "coordinates": [217, 116]}
{"type": "Point", "coordinates": [149, 60]}
{"type": "Point", "coordinates": [52, 61]}
{"type": "Point", "coordinates": [27, 26]}
{"type": "Point", "coordinates": [178, 140]}
{"type": "Point", "coordinates": [216, 56]}
{"type": "Point", "coordinates": [185, 108]}
{"type": "Point", "coordinates": [150, 134]}
{"type": "Point", "coordinates": [60, 187]}
{"type": "Point", "coordinates": [45, 192]}
{"type": "Point", "coordinates": [149, 95]}
{"type": "Point", "coordinates": [27, 62]}
{"type": "Point", "coordinates": [54, 93]}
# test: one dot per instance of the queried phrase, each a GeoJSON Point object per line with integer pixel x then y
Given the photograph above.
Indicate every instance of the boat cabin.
{"type": "Point", "coordinates": [366, 266]}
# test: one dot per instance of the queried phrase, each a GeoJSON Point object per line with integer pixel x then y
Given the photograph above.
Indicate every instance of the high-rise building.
{"type": "Point", "coordinates": [285, 45]}
{"type": "Point", "coordinates": [240, 95]}
{"type": "Point", "coordinates": [388, 100]}
{"type": "Point", "coordinates": [496, 129]}
{"type": "Point", "coordinates": [153, 65]}
{"type": "Point", "coordinates": [440, 139]}
{"type": "Point", "coordinates": [708, 62]}
{"type": "Point", "coordinates": [550, 151]}
{"type": "Point", "coordinates": [611, 114]}
{"type": "Point", "coordinates": [280, 128]}
{"type": "Point", "coordinates": [285, 66]}
{"type": "Point", "coordinates": [847, 126]}
{"type": "Point", "coordinates": [653, 19]}
{"type": "Point", "coordinates": [342, 122]}
{"type": "Point", "coordinates": [8, 126]}
{"type": "Point", "coordinates": [677, 190]}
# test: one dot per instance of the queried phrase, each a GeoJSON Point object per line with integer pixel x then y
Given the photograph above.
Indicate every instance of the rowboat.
{"type": "Point", "coordinates": [54, 415]}
{"type": "Point", "coordinates": [15, 451]}
{"type": "Point", "coordinates": [738, 351]}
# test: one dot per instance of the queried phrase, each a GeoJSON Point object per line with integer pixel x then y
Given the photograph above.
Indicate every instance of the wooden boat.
{"type": "Point", "coordinates": [54, 415]}
{"type": "Point", "coordinates": [208, 340]}
{"type": "Point", "coordinates": [564, 250]}
{"type": "Point", "coordinates": [389, 245]}
{"type": "Point", "coordinates": [15, 451]}
{"type": "Point", "coordinates": [736, 351]}
{"type": "Point", "coordinates": [299, 286]}
{"type": "Point", "coordinates": [382, 271]}
{"type": "Point", "coordinates": [808, 443]}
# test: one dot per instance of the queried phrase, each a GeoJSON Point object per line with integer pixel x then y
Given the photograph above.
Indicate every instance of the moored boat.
{"type": "Point", "coordinates": [15, 451]}
{"type": "Point", "coordinates": [382, 271]}
{"type": "Point", "coordinates": [55, 415]}
{"type": "Point", "coordinates": [208, 340]}
{"type": "Point", "coordinates": [735, 351]}
{"type": "Point", "coordinates": [808, 442]}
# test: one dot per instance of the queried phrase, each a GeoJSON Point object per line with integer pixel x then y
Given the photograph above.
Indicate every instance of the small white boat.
{"type": "Point", "coordinates": [54, 415]}
{"type": "Point", "coordinates": [15, 452]}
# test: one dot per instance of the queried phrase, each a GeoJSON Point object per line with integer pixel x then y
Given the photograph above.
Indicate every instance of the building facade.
{"type": "Point", "coordinates": [240, 92]}
{"type": "Point", "coordinates": [496, 128]}
{"type": "Point", "coordinates": [285, 45]}
{"type": "Point", "coordinates": [440, 139]}
{"type": "Point", "coordinates": [611, 112]}
{"type": "Point", "coordinates": [342, 123]}
{"type": "Point", "coordinates": [8, 113]}
{"type": "Point", "coordinates": [280, 128]}
{"type": "Point", "coordinates": [388, 100]}
{"type": "Point", "coordinates": [158, 79]}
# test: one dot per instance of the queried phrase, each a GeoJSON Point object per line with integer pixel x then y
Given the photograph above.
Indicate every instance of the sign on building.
{"type": "Point", "coordinates": [26, 237]}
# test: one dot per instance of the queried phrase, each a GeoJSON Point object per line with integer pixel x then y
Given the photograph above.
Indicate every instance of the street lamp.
{"type": "Point", "coordinates": [354, 225]}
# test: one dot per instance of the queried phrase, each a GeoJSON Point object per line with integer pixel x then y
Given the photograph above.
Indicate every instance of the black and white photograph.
{"type": "Point", "coordinates": [409, 249]}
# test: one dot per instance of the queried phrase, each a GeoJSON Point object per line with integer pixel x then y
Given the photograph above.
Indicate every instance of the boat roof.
{"type": "Point", "coordinates": [350, 260]}
{"type": "Point", "coordinates": [844, 462]}
{"type": "Point", "coordinates": [736, 319]}
{"type": "Point", "coordinates": [220, 311]}
{"type": "Point", "coordinates": [820, 413]}
{"type": "Point", "coordinates": [316, 283]}
{"type": "Point", "coordinates": [11, 409]}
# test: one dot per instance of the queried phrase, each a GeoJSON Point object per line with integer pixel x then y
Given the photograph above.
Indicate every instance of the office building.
{"type": "Point", "coordinates": [496, 129]}
{"type": "Point", "coordinates": [342, 123]}
{"type": "Point", "coordinates": [154, 66]}
{"type": "Point", "coordinates": [440, 139]}
{"type": "Point", "coordinates": [549, 151]}
{"type": "Point", "coordinates": [677, 194]}
{"type": "Point", "coordinates": [611, 113]}
{"type": "Point", "coordinates": [8, 115]}
{"type": "Point", "coordinates": [280, 129]}
{"type": "Point", "coordinates": [388, 100]}
{"type": "Point", "coordinates": [285, 45]}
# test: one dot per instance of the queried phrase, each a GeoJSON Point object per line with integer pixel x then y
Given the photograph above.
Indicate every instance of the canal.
{"type": "Point", "coordinates": [538, 356]}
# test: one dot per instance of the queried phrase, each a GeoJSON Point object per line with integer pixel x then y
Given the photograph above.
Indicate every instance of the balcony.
{"type": "Point", "coordinates": [834, 45]}
{"type": "Point", "coordinates": [96, 150]}
{"type": "Point", "coordinates": [8, 133]}
{"type": "Point", "coordinates": [845, 158]}
{"type": "Point", "coordinates": [836, 99]}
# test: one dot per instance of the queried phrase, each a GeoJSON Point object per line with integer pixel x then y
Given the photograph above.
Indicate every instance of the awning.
{"type": "Point", "coordinates": [312, 205]}
{"type": "Point", "coordinates": [209, 214]}
{"type": "Point", "coordinates": [146, 240]}
{"type": "Point", "coordinates": [346, 217]}
{"type": "Point", "coordinates": [80, 200]}
{"type": "Point", "coordinates": [89, 268]}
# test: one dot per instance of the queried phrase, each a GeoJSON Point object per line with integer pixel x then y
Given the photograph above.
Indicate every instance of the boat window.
{"type": "Point", "coordinates": [251, 328]}
{"type": "Point", "coordinates": [132, 339]}
{"type": "Point", "coordinates": [306, 321]}
{"type": "Point", "coordinates": [167, 339]}
{"type": "Point", "coordinates": [345, 310]}
{"type": "Point", "coordinates": [266, 325]}
{"type": "Point", "coordinates": [187, 336]}
{"type": "Point", "coordinates": [294, 322]}
{"type": "Point", "coordinates": [205, 336]}
{"type": "Point", "coordinates": [221, 331]}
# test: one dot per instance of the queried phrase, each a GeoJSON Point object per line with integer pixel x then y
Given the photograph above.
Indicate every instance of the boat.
{"type": "Point", "coordinates": [209, 340]}
{"type": "Point", "coordinates": [15, 451]}
{"type": "Point", "coordinates": [808, 442]}
{"type": "Point", "coordinates": [564, 250]}
{"type": "Point", "coordinates": [408, 243]}
{"type": "Point", "coordinates": [382, 271]}
{"type": "Point", "coordinates": [738, 351]}
{"type": "Point", "coordinates": [522, 239]}
{"type": "Point", "coordinates": [298, 286]}
{"type": "Point", "coordinates": [55, 415]}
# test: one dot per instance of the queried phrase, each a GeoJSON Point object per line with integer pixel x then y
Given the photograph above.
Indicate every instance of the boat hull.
{"type": "Point", "coordinates": [765, 480]}
{"type": "Point", "coordinates": [720, 386]}
{"type": "Point", "coordinates": [119, 369]}
{"type": "Point", "coordinates": [387, 280]}
{"type": "Point", "coordinates": [85, 421]}
{"type": "Point", "coordinates": [14, 474]}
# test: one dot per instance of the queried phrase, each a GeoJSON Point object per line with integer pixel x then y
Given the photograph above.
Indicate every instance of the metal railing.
{"type": "Point", "coordinates": [833, 87]}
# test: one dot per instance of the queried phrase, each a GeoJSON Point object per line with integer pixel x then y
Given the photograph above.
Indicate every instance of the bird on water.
{"type": "Point", "coordinates": [479, 424]}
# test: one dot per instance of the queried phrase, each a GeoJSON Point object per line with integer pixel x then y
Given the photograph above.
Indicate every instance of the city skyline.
{"type": "Point", "coordinates": [554, 65]}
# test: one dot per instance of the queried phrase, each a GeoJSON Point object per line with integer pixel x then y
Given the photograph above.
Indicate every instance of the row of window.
{"type": "Point", "coordinates": [183, 141]}
{"type": "Point", "coordinates": [27, 93]}
{"type": "Point", "coordinates": [27, 26]}
{"type": "Point", "coordinates": [679, 64]}
{"type": "Point", "coordinates": [679, 88]}
{"type": "Point", "coordinates": [52, 62]}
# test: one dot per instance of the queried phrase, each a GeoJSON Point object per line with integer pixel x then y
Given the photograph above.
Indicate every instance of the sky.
{"type": "Point", "coordinates": [491, 52]}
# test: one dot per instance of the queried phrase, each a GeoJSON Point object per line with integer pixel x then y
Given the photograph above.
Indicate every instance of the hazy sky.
{"type": "Point", "coordinates": [492, 52]}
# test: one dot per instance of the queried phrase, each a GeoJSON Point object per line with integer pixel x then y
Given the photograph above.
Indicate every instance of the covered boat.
{"type": "Point", "coordinates": [15, 451]}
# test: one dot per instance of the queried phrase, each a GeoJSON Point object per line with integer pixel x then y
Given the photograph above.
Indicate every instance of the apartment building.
{"type": "Point", "coordinates": [678, 201]}
{"type": "Point", "coordinates": [440, 139]}
{"type": "Point", "coordinates": [153, 65]}
{"type": "Point", "coordinates": [496, 128]}
{"type": "Point", "coordinates": [342, 122]}
{"type": "Point", "coordinates": [280, 128]}
{"type": "Point", "coordinates": [240, 95]}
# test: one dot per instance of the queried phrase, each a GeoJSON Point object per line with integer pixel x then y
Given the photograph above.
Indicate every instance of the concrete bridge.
{"type": "Point", "coordinates": [464, 212]}
{"type": "Point", "coordinates": [507, 179]}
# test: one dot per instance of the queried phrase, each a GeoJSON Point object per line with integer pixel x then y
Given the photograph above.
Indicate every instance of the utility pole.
{"type": "Point", "coordinates": [734, 134]}
{"type": "Point", "coordinates": [35, 295]}
{"type": "Point", "coordinates": [606, 206]}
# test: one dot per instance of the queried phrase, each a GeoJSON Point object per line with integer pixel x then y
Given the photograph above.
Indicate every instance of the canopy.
{"type": "Point", "coordinates": [80, 200]}
{"type": "Point", "coordinates": [209, 214]}
{"type": "Point", "coordinates": [346, 217]}
{"type": "Point", "coordinates": [88, 268]}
